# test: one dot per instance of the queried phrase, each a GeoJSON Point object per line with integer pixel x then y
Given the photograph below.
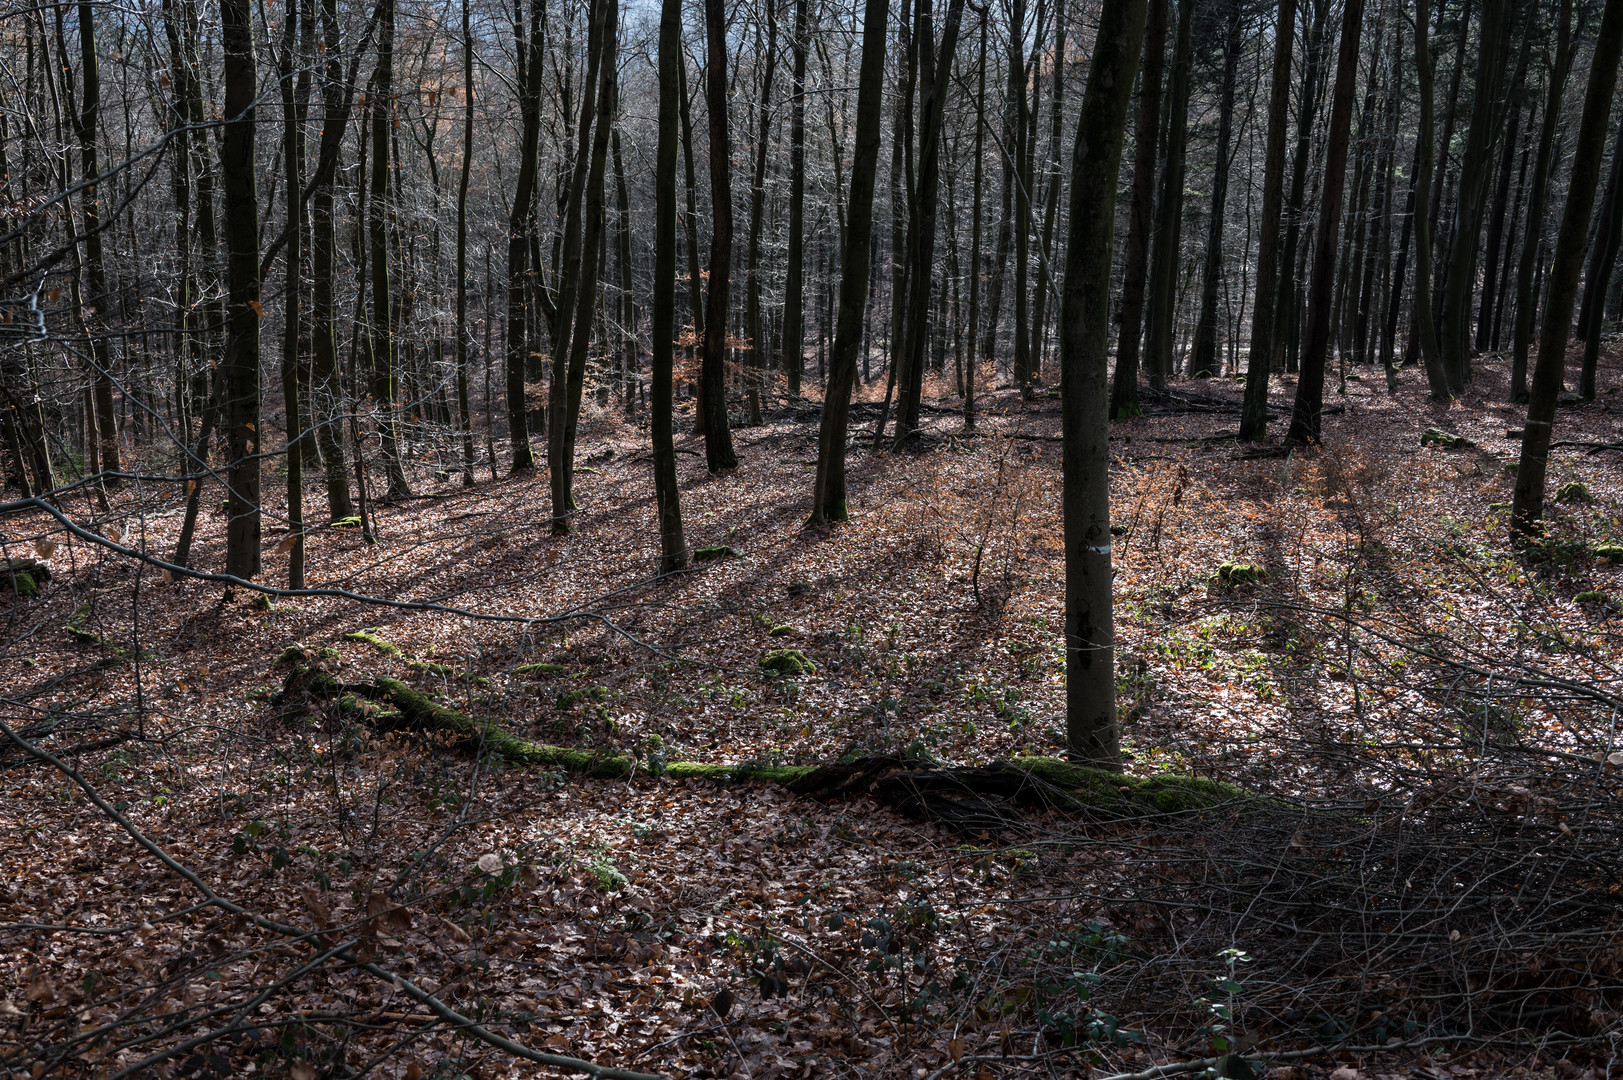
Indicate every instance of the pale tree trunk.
{"type": "Point", "coordinates": [97, 299]}
{"type": "Point", "coordinates": [974, 317]}
{"type": "Point", "coordinates": [1091, 733]}
{"type": "Point", "coordinates": [464, 411]}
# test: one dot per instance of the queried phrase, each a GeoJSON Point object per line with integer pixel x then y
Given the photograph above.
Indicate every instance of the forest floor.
{"type": "Point", "coordinates": [1423, 887]}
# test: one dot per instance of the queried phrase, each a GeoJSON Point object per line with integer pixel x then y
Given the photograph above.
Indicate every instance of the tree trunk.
{"type": "Point", "coordinates": [292, 162]}
{"type": "Point", "coordinates": [1306, 415]}
{"type": "Point", "coordinates": [1425, 328]}
{"type": "Point", "coordinates": [520, 344]}
{"type": "Point", "coordinates": [1203, 360]}
{"type": "Point", "coordinates": [463, 409]}
{"type": "Point", "coordinates": [1602, 257]}
{"type": "Point", "coordinates": [628, 302]}
{"type": "Point", "coordinates": [1287, 318]}
{"type": "Point", "coordinates": [241, 382]}
{"type": "Point", "coordinates": [1124, 389]}
{"type": "Point", "coordinates": [756, 366]}
{"type": "Point", "coordinates": [974, 318]}
{"type": "Point", "coordinates": [381, 335]}
{"type": "Point", "coordinates": [1469, 205]}
{"type": "Point", "coordinates": [1496, 235]}
{"type": "Point", "coordinates": [936, 73]}
{"type": "Point", "coordinates": [792, 351]}
{"type": "Point", "coordinates": [1091, 734]}
{"type": "Point", "coordinates": [1527, 509]}
{"type": "Point", "coordinates": [718, 435]}
{"type": "Point", "coordinates": [691, 222]}
{"type": "Point", "coordinates": [1169, 212]}
{"type": "Point", "coordinates": [828, 491]}
{"type": "Point", "coordinates": [97, 299]}
{"type": "Point", "coordinates": [565, 424]}
{"type": "Point", "coordinates": [1259, 361]}
{"type": "Point", "coordinates": [1533, 235]}
{"type": "Point", "coordinates": [1019, 77]}
{"type": "Point", "coordinates": [672, 546]}
{"type": "Point", "coordinates": [1045, 248]}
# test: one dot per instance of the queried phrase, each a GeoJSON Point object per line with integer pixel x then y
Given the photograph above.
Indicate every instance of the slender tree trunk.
{"type": "Point", "coordinates": [672, 545]}
{"type": "Point", "coordinates": [1203, 359]}
{"type": "Point", "coordinates": [1527, 509]}
{"type": "Point", "coordinates": [98, 299]}
{"type": "Point", "coordinates": [520, 343]}
{"type": "Point", "coordinates": [1425, 328]}
{"type": "Point", "coordinates": [1169, 213]}
{"type": "Point", "coordinates": [1091, 733]}
{"type": "Point", "coordinates": [561, 439]}
{"type": "Point", "coordinates": [1305, 417]}
{"type": "Point", "coordinates": [792, 351]}
{"type": "Point", "coordinates": [691, 223]}
{"type": "Point", "coordinates": [936, 74]}
{"type": "Point", "coordinates": [1465, 236]}
{"type": "Point", "coordinates": [756, 367]}
{"type": "Point", "coordinates": [1533, 235]}
{"type": "Point", "coordinates": [1496, 235]}
{"type": "Point", "coordinates": [1602, 257]}
{"type": "Point", "coordinates": [718, 435]}
{"type": "Point", "coordinates": [975, 267]}
{"type": "Point", "coordinates": [1019, 76]}
{"type": "Point", "coordinates": [1287, 319]}
{"type": "Point", "coordinates": [629, 378]}
{"type": "Point", "coordinates": [1124, 389]}
{"type": "Point", "coordinates": [241, 382]}
{"type": "Point", "coordinates": [292, 167]}
{"type": "Point", "coordinates": [464, 410]}
{"type": "Point", "coordinates": [1264, 312]}
{"type": "Point", "coordinates": [828, 491]}
{"type": "Point", "coordinates": [381, 336]}
{"type": "Point", "coordinates": [1056, 172]}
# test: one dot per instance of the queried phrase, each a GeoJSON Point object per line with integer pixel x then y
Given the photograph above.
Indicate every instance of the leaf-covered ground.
{"type": "Point", "coordinates": [691, 928]}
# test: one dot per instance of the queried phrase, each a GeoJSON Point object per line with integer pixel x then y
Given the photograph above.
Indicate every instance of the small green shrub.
{"type": "Point", "coordinates": [1575, 492]}
{"type": "Point", "coordinates": [1234, 575]}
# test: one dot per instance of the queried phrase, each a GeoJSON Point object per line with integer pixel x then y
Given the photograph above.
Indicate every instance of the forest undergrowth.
{"type": "Point", "coordinates": [1419, 875]}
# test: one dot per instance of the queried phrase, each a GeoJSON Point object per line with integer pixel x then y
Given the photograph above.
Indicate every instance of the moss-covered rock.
{"type": "Point", "coordinates": [570, 698]}
{"type": "Point", "coordinates": [25, 577]}
{"type": "Point", "coordinates": [1575, 491]}
{"type": "Point", "coordinates": [710, 554]}
{"type": "Point", "coordinates": [1592, 596]}
{"type": "Point", "coordinates": [1235, 575]}
{"type": "Point", "coordinates": [783, 631]}
{"type": "Point", "coordinates": [1609, 552]}
{"type": "Point", "coordinates": [787, 662]}
{"type": "Point", "coordinates": [1445, 440]}
{"type": "Point", "coordinates": [351, 522]}
{"type": "Point", "coordinates": [370, 637]}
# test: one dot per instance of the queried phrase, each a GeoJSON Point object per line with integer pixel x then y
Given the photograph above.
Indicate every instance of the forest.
{"type": "Point", "coordinates": [955, 540]}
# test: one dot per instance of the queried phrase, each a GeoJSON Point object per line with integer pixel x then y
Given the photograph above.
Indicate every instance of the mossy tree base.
{"type": "Point", "coordinates": [968, 799]}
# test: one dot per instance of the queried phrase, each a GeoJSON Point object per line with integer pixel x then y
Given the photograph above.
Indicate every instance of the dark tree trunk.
{"type": "Point", "coordinates": [691, 224]}
{"type": "Point", "coordinates": [1533, 235]}
{"type": "Point", "coordinates": [828, 491]}
{"type": "Point", "coordinates": [718, 435]}
{"type": "Point", "coordinates": [463, 409]}
{"type": "Point", "coordinates": [294, 100]}
{"type": "Point", "coordinates": [1602, 258]}
{"type": "Point", "coordinates": [381, 335]}
{"type": "Point", "coordinates": [1425, 327]}
{"type": "Point", "coordinates": [519, 342]}
{"type": "Point", "coordinates": [1287, 318]}
{"type": "Point", "coordinates": [1496, 235]}
{"type": "Point", "coordinates": [1169, 212]}
{"type": "Point", "coordinates": [97, 298]}
{"type": "Point", "coordinates": [1259, 361]}
{"type": "Point", "coordinates": [672, 546]}
{"type": "Point", "coordinates": [791, 353]}
{"type": "Point", "coordinates": [975, 268]}
{"type": "Point", "coordinates": [1306, 415]}
{"type": "Point", "coordinates": [1124, 387]}
{"type": "Point", "coordinates": [756, 366]}
{"type": "Point", "coordinates": [1527, 509]}
{"type": "Point", "coordinates": [1203, 360]}
{"type": "Point", "coordinates": [1091, 734]}
{"type": "Point", "coordinates": [241, 378]}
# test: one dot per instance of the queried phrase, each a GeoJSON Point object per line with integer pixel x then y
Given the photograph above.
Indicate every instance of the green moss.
{"type": "Point", "coordinates": [782, 631]}
{"type": "Point", "coordinates": [1614, 552]}
{"type": "Point", "coordinates": [20, 582]}
{"type": "Point", "coordinates": [1445, 440]}
{"type": "Point", "coordinates": [539, 671]}
{"type": "Point", "coordinates": [718, 551]}
{"type": "Point", "coordinates": [351, 522]}
{"type": "Point", "coordinates": [570, 698]}
{"type": "Point", "coordinates": [1101, 789]}
{"type": "Point", "coordinates": [787, 662]}
{"type": "Point", "coordinates": [1592, 596]}
{"type": "Point", "coordinates": [1576, 492]}
{"type": "Point", "coordinates": [1233, 575]}
{"type": "Point", "coordinates": [387, 648]}
{"type": "Point", "coordinates": [76, 626]}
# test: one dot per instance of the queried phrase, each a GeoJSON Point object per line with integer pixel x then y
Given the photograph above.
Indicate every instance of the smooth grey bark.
{"type": "Point", "coordinates": [673, 554]}
{"type": "Point", "coordinates": [1091, 733]}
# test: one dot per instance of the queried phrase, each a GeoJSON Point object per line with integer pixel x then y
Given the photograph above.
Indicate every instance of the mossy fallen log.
{"type": "Point", "coordinates": [968, 799]}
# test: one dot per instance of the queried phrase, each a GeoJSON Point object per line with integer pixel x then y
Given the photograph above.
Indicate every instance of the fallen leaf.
{"type": "Point", "coordinates": [490, 863]}
{"type": "Point", "coordinates": [301, 1070]}
{"type": "Point", "coordinates": [43, 548]}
